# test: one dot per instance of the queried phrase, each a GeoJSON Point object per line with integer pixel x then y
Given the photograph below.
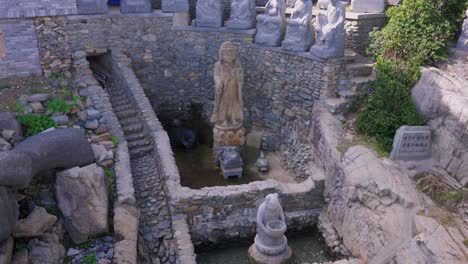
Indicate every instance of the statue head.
{"type": "Point", "coordinates": [272, 201]}
{"type": "Point", "coordinates": [228, 52]}
{"type": "Point", "coordinates": [333, 2]}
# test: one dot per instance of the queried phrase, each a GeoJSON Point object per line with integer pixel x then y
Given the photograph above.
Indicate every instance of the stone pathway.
{"type": "Point", "coordinates": [155, 219]}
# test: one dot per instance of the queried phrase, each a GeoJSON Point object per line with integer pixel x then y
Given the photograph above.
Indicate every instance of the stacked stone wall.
{"type": "Point", "coordinates": [358, 30]}
{"type": "Point", "coordinates": [36, 8]}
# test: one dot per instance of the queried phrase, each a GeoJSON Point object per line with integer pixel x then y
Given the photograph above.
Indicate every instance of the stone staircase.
{"type": "Point", "coordinates": [359, 72]}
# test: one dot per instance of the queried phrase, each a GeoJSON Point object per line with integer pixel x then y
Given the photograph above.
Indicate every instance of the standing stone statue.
{"type": "Point", "coordinates": [463, 40]}
{"type": "Point", "coordinates": [242, 14]}
{"type": "Point", "coordinates": [228, 114]}
{"type": "Point", "coordinates": [209, 13]}
{"type": "Point", "coordinates": [323, 4]}
{"type": "Point", "coordinates": [270, 246]}
{"type": "Point", "coordinates": [135, 6]}
{"type": "Point", "coordinates": [271, 25]}
{"type": "Point", "coordinates": [330, 42]}
{"type": "Point", "coordinates": [368, 6]}
{"type": "Point", "coordinates": [299, 35]}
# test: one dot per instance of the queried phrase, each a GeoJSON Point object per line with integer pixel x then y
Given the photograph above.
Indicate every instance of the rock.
{"type": "Point", "coordinates": [101, 154]}
{"type": "Point", "coordinates": [44, 253]}
{"type": "Point", "coordinates": [9, 212]}
{"type": "Point", "coordinates": [102, 137]}
{"type": "Point", "coordinates": [102, 129]}
{"type": "Point", "coordinates": [38, 98]}
{"type": "Point", "coordinates": [8, 134]}
{"type": "Point", "coordinates": [60, 148]}
{"type": "Point", "coordinates": [4, 145]}
{"type": "Point", "coordinates": [82, 115]}
{"type": "Point", "coordinates": [93, 124]}
{"type": "Point", "coordinates": [93, 114]}
{"type": "Point", "coordinates": [79, 55]}
{"type": "Point", "coordinates": [37, 108]}
{"type": "Point", "coordinates": [126, 222]}
{"type": "Point", "coordinates": [8, 122]}
{"type": "Point", "coordinates": [73, 252]}
{"type": "Point", "coordinates": [125, 252]}
{"type": "Point", "coordinates": [20, 257]}
{"type": "Point", "coordinates": [60, 120]}
{"type": "Point", "coordinates": [35, 224]}
{"type": "Point", "coordinates": [82, 195]}
{"type": "Point", "coordinates": [6, 250]}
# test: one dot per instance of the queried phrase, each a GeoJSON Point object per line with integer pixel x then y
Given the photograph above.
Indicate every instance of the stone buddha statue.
{"type": "Point", "coordinates": [228, 113]}
{"type": "Point", "coordinates": [242, 14]}
{"type": "Point", "coordinates": [299, 35]}
{"type": "Point", "coordinates": [209, 13]}
{"type": "Point", "coordinates": [330, 42]}
{"type": "Point", "coordinates": [271, 24]}
{"type": "Point", "coordinates": [270, 246]}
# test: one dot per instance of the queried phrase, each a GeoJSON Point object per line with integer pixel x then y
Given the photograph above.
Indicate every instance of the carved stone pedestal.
{"type": "Point", "coordinates": [257, 257]}
{"type": "Point", "coordinates": [228, 136]}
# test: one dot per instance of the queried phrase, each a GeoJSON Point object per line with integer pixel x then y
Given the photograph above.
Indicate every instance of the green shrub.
{"type": "Point", "coordinates": [56, 75]}
{"type": "Point", "coordinates": [110, 173]}
{"type": "Point", "coordinates": [90, 259]}
{"type": "Point", "coordinates": [35, 124]}
{"type": "Point", "coordinates": [58, 105]}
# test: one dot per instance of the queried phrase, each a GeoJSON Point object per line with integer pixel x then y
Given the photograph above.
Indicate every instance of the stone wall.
{"type": "Point", "coordinates": [358, 26]}
{"type": "Point", "coordinates": [22, 55]}
{"type": "Point", "coordinates": [36, 8]}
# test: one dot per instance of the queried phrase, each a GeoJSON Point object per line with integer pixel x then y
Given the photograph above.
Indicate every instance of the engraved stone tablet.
{"type": "Point", "coordinates": [89, 7]}
{"type": "Point", "coordinates": [368, 6]}
{"type": "Point", "coordinates": [209, 13]}
{"type": "Point", "coordinates": [135, 6]}
{"type": "Point", "coordinates": [412, 143]}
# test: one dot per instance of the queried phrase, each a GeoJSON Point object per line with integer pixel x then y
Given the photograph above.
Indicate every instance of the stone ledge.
{"type": "Point", "coordinates": [349, 14]}
{"type": "Point", "coordinates": [213, 29]}
{"type": "Point", "coordinates": [117, 14]}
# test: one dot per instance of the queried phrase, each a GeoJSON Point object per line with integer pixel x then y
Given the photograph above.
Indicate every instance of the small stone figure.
{"type": "Point", "coordinates": [228, 114]}
{"type": "Point", "coordinates": [209, 13]}
{"type": "Point", "coordinates": [271, 25]}
{"type": "Point", "coordinates": [368, 6]}
{"type": "Point", "coordinates": [262, 163]}
{"type": "Point", "coordinates": [330, 42]}
{"type": "Point", "coordinates": [270, 246]}
{"type": "Point", "coordinates": [463, 40]}
{"type": "Point", "coordinates": [323, 4]}
{"type": "Point", "coordinates": [242, 14]}
{"type": "Point", "coordinates": [181, 136]}
{"type": "Point", "coordinates": [299, 35]}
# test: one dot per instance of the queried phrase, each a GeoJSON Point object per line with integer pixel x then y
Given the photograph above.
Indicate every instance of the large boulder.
{"type": "Point", "coordinates": [6, 251]}
{"type": "Point", "coordinates": [35, 224]}
{"type": "Point", "coordinates": [82, 196]}
{"type": "Point", "coordinates": [59, 148]}
{"type": "Point", "coordinates": [8, 211]}
{"type": "Point", "coordinates": [41, 252]}
{"type": "Point", "coordinates": [8, 122]}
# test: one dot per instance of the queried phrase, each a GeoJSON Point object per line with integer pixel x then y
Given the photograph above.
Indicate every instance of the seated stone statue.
{"type": "Point", "coordinates": [330, 42]}
{"type": "Point", "coordinates": [209, 13]}
{"type": "Point", "coordinates": [270, 246]}
{"type": "Point", "coordinates": [299, 35]}
{"type": "Point", "coordinates": [242, 14]}
{"type": "Point", "coordinates": [271, 25]}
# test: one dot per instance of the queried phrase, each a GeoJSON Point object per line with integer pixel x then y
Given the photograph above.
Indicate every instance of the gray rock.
{"type": "Point", "coordinates": [73, 252]}
{"type": "Point", "coordinates": [9, 212]}
{"type": "Point", "coordinates": [209, 13]}
{"type": "Point", "coordinates": [368, 6]}
{"type": "Point", "coordinates": [272, 24]}
{"type": "Point", "coordinates": [4, 145]}
{"type": "Point", "coordinates": [8, 134]}
{"type": "Point", "coordinates": [45, 252]}
{"type": "Point", "coordinates": [92, 124]}
{"type": "Point", "coordinates": [60, 120]}
{"type": "Point", "coordinates": [299, 30]}
{"type": "Point", "coordinates": [82, 115]}
{"type": "Point", "coordinates": [37, 107]}
{"type": "Point", "coordinates": [38, 98]}
{"type": "Point", "coordinates": [93, 114]}
{"type": "Point", "coordinates": [82, 195]}
{"type": "Point", "coordinates": [60, 148]}
{"type": "Point", "coordinates": [35, 224]}
{"type": "Point", "coordinates": [8, 122]}
{"type": "Point", "coordinates": [242, 15]}
{"type": "Point", "coordinates": [6, 250]}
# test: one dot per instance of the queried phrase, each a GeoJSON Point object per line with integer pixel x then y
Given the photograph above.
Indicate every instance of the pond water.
{"type": "Point", "coordinates": [307, 249]}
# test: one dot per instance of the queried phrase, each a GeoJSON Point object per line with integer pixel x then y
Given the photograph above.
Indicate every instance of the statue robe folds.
{"type": "Point", "coordinates": [330, 42]}
{"type": "Point", "coordinates": [272, 24]}
{"type": "Point", "coordinates": [299, 34]}
{"type": "Point", "coordinates": [242, 14]}
{"type": "Point", "coordinates": [209, 13]}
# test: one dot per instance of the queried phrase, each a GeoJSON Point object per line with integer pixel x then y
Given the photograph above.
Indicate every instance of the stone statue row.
{"type": "Point", "coordinates": [298, 31]}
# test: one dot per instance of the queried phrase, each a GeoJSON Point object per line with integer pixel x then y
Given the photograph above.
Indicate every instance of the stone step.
{"type": "Point", "coordinates": [138, 143]}
{"type": "Point", "coordinates": [117, 98]}
{"type": "Point", "coordinates": [129, 121]}
{"type": "Point", "coordinates": [140, 151]}
{"type": "Point", "coordinates": [121, 103]}
{"type": "Point", "coordinates": [116, 92]}
{"type": "Point", "coordinates": [359, 69]}
{"type": "Point", "coordinates": [336, 105]}
{"type": "Point", "coordinates": [360, 85]}
{"type": "Point", "coordinates": [137, 136]}
{"type": "Point", "coordinates": [123, 107]}
{"type": "Point", "coordinates": [126, 113]}
{"type": "Point", "coordinates": [132, 129]}
{"type": "Point", "coordinates": [347, 94]}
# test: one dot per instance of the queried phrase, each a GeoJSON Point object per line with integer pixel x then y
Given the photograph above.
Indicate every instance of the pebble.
{"type": "Point", "coordinates": [38, 98]}
{"type": "Point", "coordinates": [93, 124]}
{"type": "Point", "coordinates": [60, 119]}
{"type": "Point", "coordinates": [93, 114]}
{"type": "Point", "coordinates": [37, 107]}
{"type": "Point", "coordinates": [72, 252]}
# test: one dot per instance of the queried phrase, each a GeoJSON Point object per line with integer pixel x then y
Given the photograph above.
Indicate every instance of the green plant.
{"type": "Point", "coordinates": [35, 124]}
{"type": "Point", "coordinates": [76, 101]}
{"type": "Point", "coordinates": [18, 107]}
{"type": "Point", "coordinates": [115, 140]}
{"type": "Point", "coordinates": [68, 95]}
{"type": "Point", "coordinates": [58, 105]}
{"type": "Point", "coordinates": [90, 259]}
{"type": "Point", "coordinates": [110, 173]}
{"type": "Point", "coordinates": [56, 75]}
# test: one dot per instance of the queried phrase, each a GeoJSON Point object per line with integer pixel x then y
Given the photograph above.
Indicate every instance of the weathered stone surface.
{"type": "Point", "coordinates": [299, 31]}
{"type": "Point", "coordinates": [175, 6]}
{"type": "Point", "coordinates": [330, 41]}
{"type": "Point", "coordinates": [82, 195]}
{"type": "Point", "coordinates": [8, 211]}
{"type": "Point", "coordinates": [412, 143]}
{"type": "Point", "coordinates": [242, 14]}
{"type": "Point", "coordinates": [45, 253]}
{"type": "Point", "coordinates": [463, 40]}
{"type": "Point", "coordinates": [209, 13]}
{"type": "Point", "coordinates": [60, 120]}
{"type": "Point", "coordinates": [6, 250]}
{"type": "Point", "coordinates": [368, 6]}
{"type": "Point", "coordinates": [4, 145]}
{"type": "Point", "coordinates": [35, 224]}
{"type": "Point", "coordinates": [135, 6]}
{"type": "Point", "coordinates": [125, 252]}
{"type": "Point", "coordinates": [126, 223]}
{"type": "Point", "coordinates": [8, 122]}
{"type": "Point", "coordinates": [272, 24]}
{"type": "Point", "coordinates": [20, 257]}
{"type": "Point", "coordinates": [88, 7]}
{"type": "Point", "coordinates": [38, 98]}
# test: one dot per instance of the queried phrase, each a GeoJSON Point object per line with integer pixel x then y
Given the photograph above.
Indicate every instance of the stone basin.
{"type": "Point", "coordinates": [276, 228]}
